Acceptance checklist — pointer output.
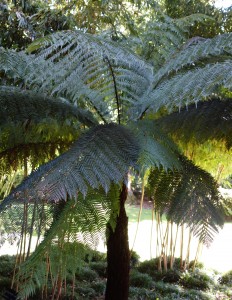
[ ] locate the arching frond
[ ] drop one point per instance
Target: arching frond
(188, 196)
(36, 127)
(86, 69)
(208, 120)
(101, 156)
(156, 148)
(189, 87)
(26, 106)
(196, 51)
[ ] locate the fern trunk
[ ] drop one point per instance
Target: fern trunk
(118, 255)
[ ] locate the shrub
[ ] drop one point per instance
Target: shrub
(196, 280)
(140, 280)
(100, 267)
(86, 274)
(198, 265)
(171, 276)
(5, 283)
(226, 278)
(99, 287)
(86, 292)
(134, 259)
(7, 264)
(94, 255)
(136, 293)
(148, 266)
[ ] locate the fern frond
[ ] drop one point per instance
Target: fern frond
(156, 148)
(188, 196)
(14, 64)
(211, 119)
(76, 223)
(81, 66)
(188, 21)
(26, 106)
(192, 54)
(163, 36)
(101, 156)
(189, 87)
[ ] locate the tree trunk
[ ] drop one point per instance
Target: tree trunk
(118, 255)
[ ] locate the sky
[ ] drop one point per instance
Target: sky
(223, 3)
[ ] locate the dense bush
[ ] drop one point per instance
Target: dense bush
(151, 267)
(86, 274)
(197, 280)
(7, 264)
(226, 278)
(136, 293)
(100, 267)
(140, 280)
(146, 283)
(134, 259)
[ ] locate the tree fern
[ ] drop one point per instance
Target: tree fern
(29, 127)
(82, 68)
(114, 85)
(194, 51)
(163, 36)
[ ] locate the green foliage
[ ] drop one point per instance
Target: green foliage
(134, 259)
(210, 120)
(226, 279)
(181, 8)
(80, 166)
(148, 266)
(100, 267)
(186, 196)
(88, 285)
(86, 274)
(84, 222)
(86, 292)
(196, 280)
(99, 287)
(140, 280)
(151, 267)
(104, 83)
(7, 264)
(143, 293)
(227, 207)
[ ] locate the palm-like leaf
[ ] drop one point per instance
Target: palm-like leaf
(209, 120)
(36, 127)
(188, 196)
(156, 149)
(85, 69)
(26, 106)
(190, 76)
(101, 156)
